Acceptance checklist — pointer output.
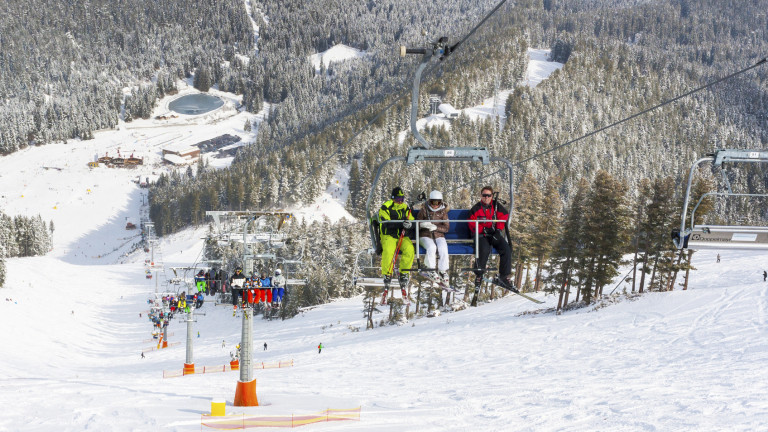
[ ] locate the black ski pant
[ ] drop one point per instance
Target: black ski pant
(235, 293)
(502, 247)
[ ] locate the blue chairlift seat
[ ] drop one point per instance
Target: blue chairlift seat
(459, 237)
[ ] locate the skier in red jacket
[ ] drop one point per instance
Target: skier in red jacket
(491, 235)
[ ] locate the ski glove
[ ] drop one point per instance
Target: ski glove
(407, 224)
(489, 232)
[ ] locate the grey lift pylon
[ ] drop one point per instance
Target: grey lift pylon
(245, 393)
(189, 363)
(703, 236)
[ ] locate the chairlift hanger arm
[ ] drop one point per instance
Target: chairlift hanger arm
(438, 48)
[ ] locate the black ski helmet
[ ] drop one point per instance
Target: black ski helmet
(398, 192)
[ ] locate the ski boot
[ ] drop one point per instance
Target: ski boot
(443, 276)
(387, 282)
(403, 281)
(505, 283)
(478, 283)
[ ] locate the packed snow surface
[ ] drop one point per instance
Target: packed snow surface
(336, 53)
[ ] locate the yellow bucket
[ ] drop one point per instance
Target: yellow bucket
(218, 407)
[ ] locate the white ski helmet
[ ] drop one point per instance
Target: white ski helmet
(435, 195)
(277, 272)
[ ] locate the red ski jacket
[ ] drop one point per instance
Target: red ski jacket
(478, 212)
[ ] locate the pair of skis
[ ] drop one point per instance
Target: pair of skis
(500, 283)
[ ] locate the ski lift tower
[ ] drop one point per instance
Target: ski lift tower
(189, 363)
(245, 393)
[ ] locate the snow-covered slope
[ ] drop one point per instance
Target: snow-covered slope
(337, 53)
(683, 360)
(72, 334)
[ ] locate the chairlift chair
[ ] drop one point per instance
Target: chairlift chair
(460, 242)
(702, 236)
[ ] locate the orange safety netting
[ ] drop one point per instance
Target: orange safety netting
(241, 421)
(159, 346)
(227, 368)
(155, 339)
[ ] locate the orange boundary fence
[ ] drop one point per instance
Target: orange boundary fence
(159, 346)
(241, 421)
(155, 339)
(227, 368)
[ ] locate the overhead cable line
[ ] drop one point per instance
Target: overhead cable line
(453, 48)
(537, 155)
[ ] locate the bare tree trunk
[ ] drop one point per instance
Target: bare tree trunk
(429, 300)
(671, 285)
(527, 278)
(688, 269)
(538, 274)
(634, 264)
(518, 274)
(642, 276)
(588, 294)
(560, 304)
(371, 307)
(418, 298)
(653, 272)
(407, 303)
(599, 289)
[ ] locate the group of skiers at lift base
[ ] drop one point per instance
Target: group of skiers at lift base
(432, 236)
(269, 290)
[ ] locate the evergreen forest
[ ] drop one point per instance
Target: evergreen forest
(579, 210)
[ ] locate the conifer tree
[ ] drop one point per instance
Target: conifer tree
(523, 226)
(203, 79)
(547, 226)
(658, 226)
(606, 232)
(570, 245)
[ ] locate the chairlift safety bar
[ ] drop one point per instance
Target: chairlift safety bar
(730, 236)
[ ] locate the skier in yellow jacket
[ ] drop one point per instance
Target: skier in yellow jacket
(390, 235)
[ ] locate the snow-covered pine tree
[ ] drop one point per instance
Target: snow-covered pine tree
(528, 205)
(606, 231)
(563, 264)
(547, 226)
